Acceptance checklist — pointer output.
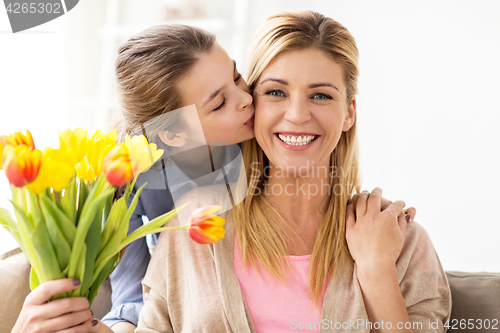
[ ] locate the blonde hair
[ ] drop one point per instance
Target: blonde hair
(148, 68)
(262, 232)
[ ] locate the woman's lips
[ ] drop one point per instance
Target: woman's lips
(249, 122)
(294, 147)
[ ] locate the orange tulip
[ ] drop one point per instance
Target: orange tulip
(21, 164)
(17, 139)
(204, 227)
(117, 166)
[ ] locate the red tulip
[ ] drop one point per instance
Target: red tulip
(21, 164)
(204, 227)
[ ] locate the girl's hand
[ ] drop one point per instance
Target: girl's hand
(411, 211)
(375, 238)
(63, 315)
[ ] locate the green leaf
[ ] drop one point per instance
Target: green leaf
(90, 209)
(116, 215)
(92, 242)
(8, 223)
(54, 216)
(83, 194)
(34, 282)
(25, 228)
(44, 251)
(118, 230)
(79, 271)
(68, 201)
(117, 243)
(55, 228)
(105, 272)
(107, 209)
(152, 226)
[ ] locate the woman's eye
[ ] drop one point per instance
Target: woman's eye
(237, 78)
(321, 96)
(276, 93)
(221, 105)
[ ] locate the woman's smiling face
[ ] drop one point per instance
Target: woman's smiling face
(301, 109)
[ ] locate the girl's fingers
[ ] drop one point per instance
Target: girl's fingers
(82, 328)
(46, 290)
(384, 204)
(70, 319)
(412, 212)
(349, 217)
(395, 208)
(374, 201)
(402, 223)
(62, 306)
(361, 205)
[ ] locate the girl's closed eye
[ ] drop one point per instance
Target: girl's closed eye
(237, 78)
(221, 105)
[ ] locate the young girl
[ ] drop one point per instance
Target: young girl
(294, 259)
(161, 70)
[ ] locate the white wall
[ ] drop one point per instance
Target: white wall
(427, 106)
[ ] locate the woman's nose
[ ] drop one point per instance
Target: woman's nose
(297, 112)
(245, 100)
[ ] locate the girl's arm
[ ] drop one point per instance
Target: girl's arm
(398, 270)
(375, 240)
(39, 315)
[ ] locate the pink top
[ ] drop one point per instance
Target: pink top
(276, 307)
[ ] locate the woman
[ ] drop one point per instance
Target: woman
(158, 71)
(291, 258)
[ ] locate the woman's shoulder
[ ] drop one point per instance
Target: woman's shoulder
(418, 256)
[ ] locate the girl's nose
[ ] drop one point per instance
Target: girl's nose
(245, 100)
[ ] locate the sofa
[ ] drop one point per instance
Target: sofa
(475, 296)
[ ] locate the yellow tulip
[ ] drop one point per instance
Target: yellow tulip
(41, 182)
(17, 139)
(75, 143)
(97, 149)
(142, 154)
(21, 164)
(84, 170)
(55, 172)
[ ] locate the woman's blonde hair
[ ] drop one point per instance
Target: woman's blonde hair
(262, 232)
(148, 68)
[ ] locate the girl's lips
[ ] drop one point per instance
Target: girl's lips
(292, 147)
(249, 122)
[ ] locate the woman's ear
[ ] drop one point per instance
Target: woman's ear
(171, 139)
(350, 116)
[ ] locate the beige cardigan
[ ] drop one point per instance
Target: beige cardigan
(191, 287)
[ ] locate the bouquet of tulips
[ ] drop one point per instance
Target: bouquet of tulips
(69, 222)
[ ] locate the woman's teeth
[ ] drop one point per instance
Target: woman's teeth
(297, 140)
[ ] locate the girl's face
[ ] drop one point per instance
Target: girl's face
(301, 109)
(221, 97)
